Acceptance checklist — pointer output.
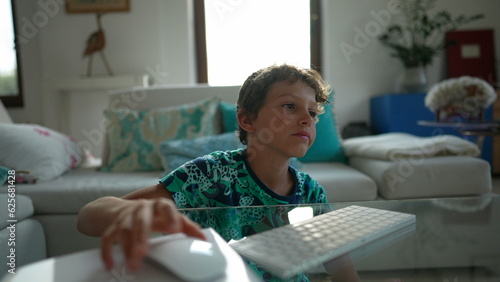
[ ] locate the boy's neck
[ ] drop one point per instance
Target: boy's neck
(273, 172)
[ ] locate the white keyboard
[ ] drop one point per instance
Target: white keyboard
(295, 248)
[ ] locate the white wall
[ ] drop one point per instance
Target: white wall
(155, 37)
(372, 71)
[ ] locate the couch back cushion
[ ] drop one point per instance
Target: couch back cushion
(142, 99)
(134, 135)
(228, 117)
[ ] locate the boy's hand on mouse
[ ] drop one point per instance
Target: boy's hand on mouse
(134, 223)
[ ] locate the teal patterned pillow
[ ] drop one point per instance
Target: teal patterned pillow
(175, 153)
(228, 116)
(134, 136)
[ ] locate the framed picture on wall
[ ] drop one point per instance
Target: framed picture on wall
(94, 6)
(472, 54)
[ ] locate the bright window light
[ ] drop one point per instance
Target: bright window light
(300, 214)
(8, 64)
(244, 36)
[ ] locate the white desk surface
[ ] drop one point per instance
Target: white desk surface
(88, 266)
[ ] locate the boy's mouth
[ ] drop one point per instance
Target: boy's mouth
(303, 134)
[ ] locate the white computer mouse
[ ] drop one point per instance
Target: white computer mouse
(189, 259)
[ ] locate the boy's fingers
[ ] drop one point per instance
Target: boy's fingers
(170, 220)
(118, 231)
(141, 230)
(192, 229)
(128, 249)
(181, 223)
(133, 227)
(107, 242)
(167, 218)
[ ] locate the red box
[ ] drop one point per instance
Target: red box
(472, 54)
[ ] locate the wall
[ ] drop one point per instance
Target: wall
(155, 37)
(372, 71)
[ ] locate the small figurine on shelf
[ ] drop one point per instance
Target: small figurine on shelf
(461, 99)
(96, 43)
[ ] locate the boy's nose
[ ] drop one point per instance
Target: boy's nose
(305, 118)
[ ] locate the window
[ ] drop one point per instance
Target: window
(10, 80)
(235, 38)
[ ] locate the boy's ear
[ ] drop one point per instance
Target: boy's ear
(245, 121)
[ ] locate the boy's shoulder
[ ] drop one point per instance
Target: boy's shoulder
(230, 155)
(231, 158)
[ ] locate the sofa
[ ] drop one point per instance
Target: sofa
(22, 237)
(172, 123)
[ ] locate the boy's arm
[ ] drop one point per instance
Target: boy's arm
(96, 216)
(131, 219)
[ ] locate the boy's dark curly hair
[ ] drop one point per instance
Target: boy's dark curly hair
(254, 90)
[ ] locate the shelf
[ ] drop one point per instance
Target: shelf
(99, 83)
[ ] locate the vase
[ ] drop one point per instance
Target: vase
(414, 80)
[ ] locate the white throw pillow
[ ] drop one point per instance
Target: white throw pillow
(45, 153)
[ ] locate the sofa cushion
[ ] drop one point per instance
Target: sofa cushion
(44, 152)
(228, 117)
(341, 182)
(427, 177)
(30, 247)
(23, 208)
(134, 136)
(78, 187)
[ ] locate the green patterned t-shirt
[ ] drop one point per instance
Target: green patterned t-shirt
(225, 179)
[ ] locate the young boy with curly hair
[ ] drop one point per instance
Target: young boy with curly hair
(277, 111)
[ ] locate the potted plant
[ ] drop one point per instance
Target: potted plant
(418, 38)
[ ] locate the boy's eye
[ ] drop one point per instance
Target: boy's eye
(289, 106)
(313, 114)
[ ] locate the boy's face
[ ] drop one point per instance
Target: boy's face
(286, 123)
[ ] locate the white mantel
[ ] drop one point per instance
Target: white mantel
(74, 106)
(54, 88)
(100, 82)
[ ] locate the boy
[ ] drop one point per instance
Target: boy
(277, 111)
